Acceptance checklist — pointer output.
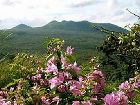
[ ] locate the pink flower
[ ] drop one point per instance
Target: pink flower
(33, 78)
(51, 68)
(69, 50)
(97, 76)
(97, 73)
(81, 78)
(38, 76)
(56, 80)
(76, 103)
(87, 103)
(61, 88)
(111, 99)
(64, 64)
(61, 76)
(75, 68)
(123, 98)
(5, 102)
(99, 83)
(124, 86)
(117, 98)
(52, 60)
(128, 89)
(97, 88)
(56, 99)
(75, 87)
(11, 88)
(45, 101)
(41, 81)
(67, 76)
(135, 85)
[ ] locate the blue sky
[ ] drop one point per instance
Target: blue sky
(40, 12)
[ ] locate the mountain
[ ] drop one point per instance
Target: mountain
(70, 25)
(110, 27)
(81, 26)
(21, 26)
(80, 35)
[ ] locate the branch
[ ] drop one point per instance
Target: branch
(133, 13)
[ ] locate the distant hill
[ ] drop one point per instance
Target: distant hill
(110, 27)
(21, 26)
(80, 35)
(70, 25)
(81, 26)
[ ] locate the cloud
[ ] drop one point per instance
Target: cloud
(82, 4)
(119, 12)
(137, 3)
(40, 12)
(10, 2)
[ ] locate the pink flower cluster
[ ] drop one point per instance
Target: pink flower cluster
(125, 93)
(60, 82)
(116, 98)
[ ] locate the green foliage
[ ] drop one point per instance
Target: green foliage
(16, 68)
(53, 44)
(4, 35)
(122, 52)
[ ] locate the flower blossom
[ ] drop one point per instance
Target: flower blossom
(69, 50)
(51, 68)
(75, 68)
(116, 98)
(56, 80)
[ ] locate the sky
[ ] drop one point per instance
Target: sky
(37, 13)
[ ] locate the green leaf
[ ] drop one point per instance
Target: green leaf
(74, 74)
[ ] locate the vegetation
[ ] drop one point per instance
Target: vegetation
(60, 82)
(122, 52)
(81, 35)
(56, 78)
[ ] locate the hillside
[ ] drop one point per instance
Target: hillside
(80, 35)
(21, 26)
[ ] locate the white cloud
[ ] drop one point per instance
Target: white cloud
(40, 12)
(10, 2)
(82, 4)
(137, 3)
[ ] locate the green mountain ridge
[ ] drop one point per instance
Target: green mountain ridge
(82, 35)
(21, 26)
(72, 26)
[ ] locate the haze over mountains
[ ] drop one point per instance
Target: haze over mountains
(80, 35)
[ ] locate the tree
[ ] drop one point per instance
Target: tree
(123, 48)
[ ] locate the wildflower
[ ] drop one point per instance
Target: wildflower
(87, 103)
(11, 88)
(128, 89)
(69, 50)
(124, 86)
(76, 103)
(51, 68)
(45, 101)
(75, 68)
(75, 87)
(56, 99)
(116, 98)
(56, 81)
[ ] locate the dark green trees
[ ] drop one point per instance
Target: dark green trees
(122, 50)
